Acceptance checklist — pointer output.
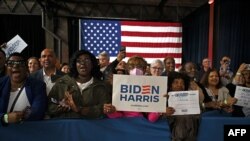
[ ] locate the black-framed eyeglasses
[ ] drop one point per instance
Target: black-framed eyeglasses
(83, 61)
(18, 63)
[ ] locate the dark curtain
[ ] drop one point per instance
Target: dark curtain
(195, 35)
(73, 36)
(28, 28)
(232, 32)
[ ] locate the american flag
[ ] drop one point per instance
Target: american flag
(151, 40)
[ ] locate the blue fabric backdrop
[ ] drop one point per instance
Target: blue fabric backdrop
(121, 129)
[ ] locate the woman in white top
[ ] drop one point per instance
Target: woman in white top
(22, 98)
(218, 96)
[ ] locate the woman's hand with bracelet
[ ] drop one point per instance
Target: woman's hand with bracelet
(15, 117)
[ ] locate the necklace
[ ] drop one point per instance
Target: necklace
(16, 88)
(214, 95)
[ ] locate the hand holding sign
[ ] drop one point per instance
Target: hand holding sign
(16, 44)
(3, 45)
(243, 97)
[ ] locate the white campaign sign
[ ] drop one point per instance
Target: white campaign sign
(243, 96)
(184, 102)
(139, 93)
(16, 44)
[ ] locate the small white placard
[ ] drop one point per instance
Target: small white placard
(243, 96)
(16, 44)
(184, 102)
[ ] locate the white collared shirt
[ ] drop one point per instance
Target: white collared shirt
(47, 80)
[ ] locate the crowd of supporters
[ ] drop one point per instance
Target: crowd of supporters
(37, 89)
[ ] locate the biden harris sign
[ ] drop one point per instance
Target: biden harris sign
(139, 93)
(16, 44)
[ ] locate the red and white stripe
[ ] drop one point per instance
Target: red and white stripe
(146, 89)
(152, 40)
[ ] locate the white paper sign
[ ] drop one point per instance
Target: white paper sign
(139, 93)
(246, 111)
(243, 96)
(16, 44)
(184, 102)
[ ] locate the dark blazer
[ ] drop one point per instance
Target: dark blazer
(3, 73)
(39, 75)
(36, 93)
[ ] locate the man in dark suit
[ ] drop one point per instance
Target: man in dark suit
(49, 72)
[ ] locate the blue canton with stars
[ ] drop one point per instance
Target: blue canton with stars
(101, 35)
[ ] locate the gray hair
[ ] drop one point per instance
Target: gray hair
(157, 61)
(104, 54)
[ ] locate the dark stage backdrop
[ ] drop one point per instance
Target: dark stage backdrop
(231, 33)
(195, 35)
(29, 29)
(73, 35)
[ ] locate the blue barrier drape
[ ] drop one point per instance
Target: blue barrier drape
(122, 129)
